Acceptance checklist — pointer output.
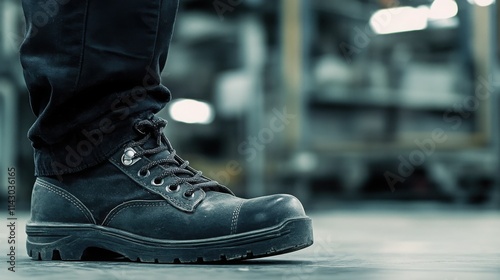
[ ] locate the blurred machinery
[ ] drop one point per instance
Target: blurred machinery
(357, 99)
(390, 99)
(401, 97)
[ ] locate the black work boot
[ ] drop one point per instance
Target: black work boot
(146, 204)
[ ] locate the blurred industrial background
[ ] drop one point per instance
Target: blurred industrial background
(353, 106)
(328, 100)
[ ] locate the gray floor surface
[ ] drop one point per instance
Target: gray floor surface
(368, 242)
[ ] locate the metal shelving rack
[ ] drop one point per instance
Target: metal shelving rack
(456, 166)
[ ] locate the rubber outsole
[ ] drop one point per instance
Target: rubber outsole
(77, 242)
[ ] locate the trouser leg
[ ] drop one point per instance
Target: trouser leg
(92, 68)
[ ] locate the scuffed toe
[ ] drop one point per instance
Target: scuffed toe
(268, 211)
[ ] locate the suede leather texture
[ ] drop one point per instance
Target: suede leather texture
(114, 195)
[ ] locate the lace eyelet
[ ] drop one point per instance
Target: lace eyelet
(139, 174)
(128, 157)
(155, 183)
(185, 195)
(172, 188)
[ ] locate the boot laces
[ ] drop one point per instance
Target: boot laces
(173, 165)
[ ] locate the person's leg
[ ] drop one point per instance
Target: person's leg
(92, 68)
(107, 177)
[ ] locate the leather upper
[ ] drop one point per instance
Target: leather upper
(129, 201)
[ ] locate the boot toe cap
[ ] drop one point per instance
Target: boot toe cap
(268, 211)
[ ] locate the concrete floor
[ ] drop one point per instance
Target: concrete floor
(365, 242)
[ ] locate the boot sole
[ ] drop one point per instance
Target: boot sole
(58, 241)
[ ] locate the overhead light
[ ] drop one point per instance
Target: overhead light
(443, 9)
(191, 111)
(399, 19)
(482, 3)
(405, 19)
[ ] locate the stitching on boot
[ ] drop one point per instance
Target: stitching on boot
(234, 220)
(115, 211)
(69, 197)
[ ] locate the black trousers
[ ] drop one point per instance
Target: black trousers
(92, 68)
